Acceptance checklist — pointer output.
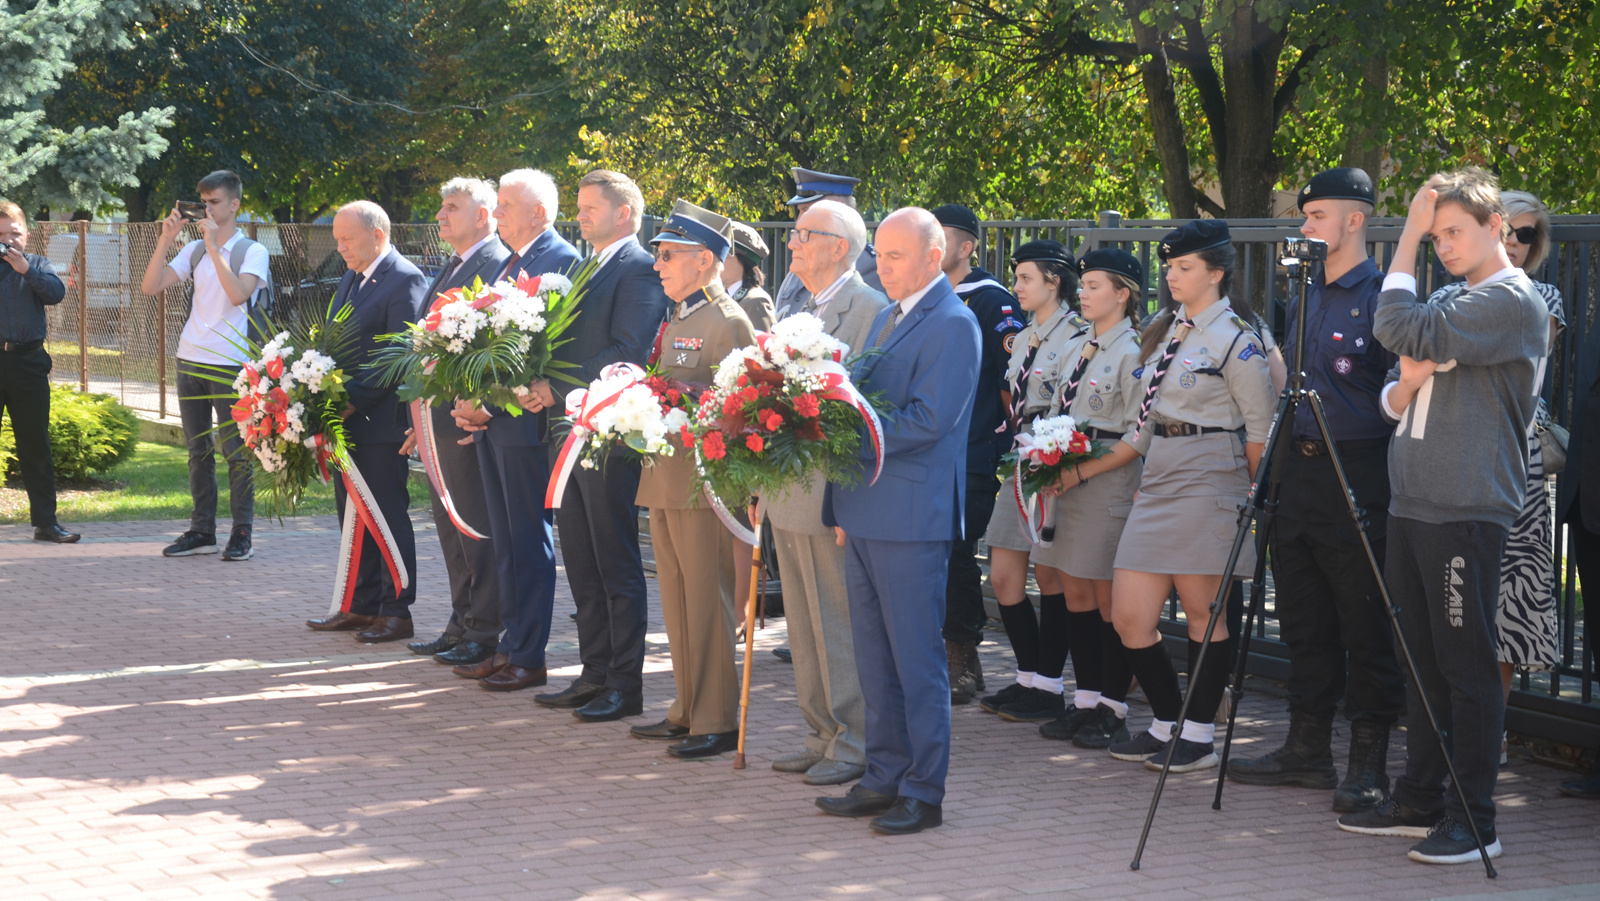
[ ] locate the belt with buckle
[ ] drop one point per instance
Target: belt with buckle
(1186, 429)
(1102, 434)
(1306, 447)
(20, 347)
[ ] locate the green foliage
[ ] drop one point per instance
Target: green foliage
(90, 434)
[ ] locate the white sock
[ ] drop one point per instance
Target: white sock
(1084, 699)
(1048, 684)
(1024, 679)
(1202, 733)
(1161, 730)
(1120, 708)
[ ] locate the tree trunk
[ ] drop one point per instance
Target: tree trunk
(1177, 184)
(1250, 52)
(1364, 146)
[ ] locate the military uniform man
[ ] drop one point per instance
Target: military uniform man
(748, 289)
(690, 543)
(810, 187)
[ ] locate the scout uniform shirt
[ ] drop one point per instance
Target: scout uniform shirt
(702, 330)
(1057, 340)
(757, 306)
(1108, 393)
(1217, 379)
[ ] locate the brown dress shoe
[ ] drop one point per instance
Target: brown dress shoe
(482, 670)
(341, 622)
(514, 678)
(386, 628)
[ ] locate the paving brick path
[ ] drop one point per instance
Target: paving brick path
(170, 729)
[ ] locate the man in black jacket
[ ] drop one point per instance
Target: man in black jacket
(620, 311)
(28, 284)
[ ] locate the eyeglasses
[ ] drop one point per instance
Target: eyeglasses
(803, 235)
(1526, 235)
(667, 256)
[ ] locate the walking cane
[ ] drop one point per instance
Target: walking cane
(749, 638)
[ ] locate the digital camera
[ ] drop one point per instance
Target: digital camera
(1304, 250)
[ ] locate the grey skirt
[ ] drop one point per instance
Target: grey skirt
(1005, 523)
(1186, 515)
(1089, 524)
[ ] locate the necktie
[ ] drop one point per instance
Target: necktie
(894, 320)
(1181, 328)
(1019, 382)
(451, 264)
(510, 265)
(810, 306)
(1089, 350)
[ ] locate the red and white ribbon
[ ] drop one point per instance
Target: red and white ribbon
(729, 521)
(1037, 512)
(836, 385)
(582, 405)
(362, 518)
(428, 449)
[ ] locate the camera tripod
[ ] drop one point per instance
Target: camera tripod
(1260, 508)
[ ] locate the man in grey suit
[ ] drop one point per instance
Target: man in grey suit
(811, 186)
(826, 239)
(466, 223)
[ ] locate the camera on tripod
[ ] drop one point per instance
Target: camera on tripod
(1304, 250)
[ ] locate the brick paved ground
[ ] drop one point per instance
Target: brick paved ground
(169, 729)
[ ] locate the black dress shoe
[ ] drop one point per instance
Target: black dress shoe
(697, 746)
(666, 730)
(908, 816)
(783, 654)
(444, 642)
(464, 653)
(859, 801)
(55, 534)
(611, 704)
(575, 695)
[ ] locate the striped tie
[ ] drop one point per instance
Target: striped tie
(894, 320)
(1089, 351)
(1180, 329)
(1019, 383)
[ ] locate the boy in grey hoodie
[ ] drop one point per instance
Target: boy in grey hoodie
(1464, 396)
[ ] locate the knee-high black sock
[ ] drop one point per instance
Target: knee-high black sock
(1212, 680)
(1022, 628)
(1158, 679)
(1083, 632)
(1116, 673)
(1055, 635)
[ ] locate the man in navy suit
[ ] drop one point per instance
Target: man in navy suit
(898, 532)
(512, 455)
(622, 308)
(466, 223)
(384, 289)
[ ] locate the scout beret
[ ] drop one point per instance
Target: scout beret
(1339, 184)
(1044, 250)
(813, 185)
(1112, 259)
(747, 242)
(690, 224)
(1193, 237)
(957, 216)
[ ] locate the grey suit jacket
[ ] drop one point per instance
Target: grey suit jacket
(848, 317)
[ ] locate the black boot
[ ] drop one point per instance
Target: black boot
(1306, 759)
(963, 688)
(1365, 782)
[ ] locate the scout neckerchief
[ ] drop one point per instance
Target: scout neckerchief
(1089, 350)
(1180, 329)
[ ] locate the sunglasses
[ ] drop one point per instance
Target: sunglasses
(1525, 235)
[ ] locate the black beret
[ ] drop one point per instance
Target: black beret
(1339, 184)
(1112, 259)
(1193, 237)
(1037, 251)
(957, 216)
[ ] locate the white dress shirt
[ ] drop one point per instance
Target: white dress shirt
(371, 268)
(604, 256)
(907, 304)
(821, 299)
(470, 251)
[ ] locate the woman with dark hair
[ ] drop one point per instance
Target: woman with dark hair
(743, 277)
(1102, 396)
(1046, 282)
(1202, 423)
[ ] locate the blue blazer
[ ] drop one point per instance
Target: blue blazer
(549, 253)
(383, 306)
(928, 372)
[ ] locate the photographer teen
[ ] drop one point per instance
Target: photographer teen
(28, 284)
(224, 280)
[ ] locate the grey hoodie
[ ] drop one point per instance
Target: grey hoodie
(1460, 452)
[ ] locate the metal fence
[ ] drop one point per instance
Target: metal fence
(108, 337)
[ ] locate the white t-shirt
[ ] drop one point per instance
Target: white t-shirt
(215, 324)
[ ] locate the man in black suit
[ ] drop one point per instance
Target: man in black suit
(384, 289)
(466, 223)
(511, 452)
(618, 316)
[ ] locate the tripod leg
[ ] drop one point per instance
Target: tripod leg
(1236, 689)
(1394, 623)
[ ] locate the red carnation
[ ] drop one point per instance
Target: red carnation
(743, 381)
(708, 396)
(772, 421)
(808, 406)
(750, 393)
(764, 391)
(755, 443)
(711, 445)
(275, 368)
(686, 435)
(733, 405)
(673, 396)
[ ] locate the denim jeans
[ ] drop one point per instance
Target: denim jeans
(200, 415)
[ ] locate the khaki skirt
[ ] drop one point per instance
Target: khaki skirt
(1089, 524)
(1186, 515)
(1005, 523)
